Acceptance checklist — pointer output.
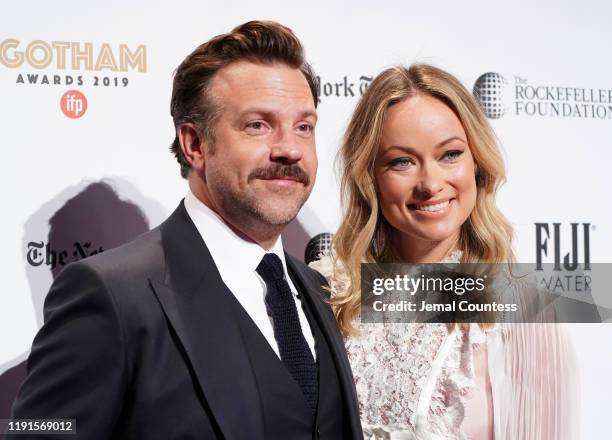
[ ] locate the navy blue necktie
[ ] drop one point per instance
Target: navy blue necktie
(292, 345)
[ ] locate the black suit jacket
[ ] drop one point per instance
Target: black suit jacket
(140, 342)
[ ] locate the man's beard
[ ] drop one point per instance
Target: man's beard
(248, 208)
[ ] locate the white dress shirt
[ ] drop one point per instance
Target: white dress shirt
(236, 259)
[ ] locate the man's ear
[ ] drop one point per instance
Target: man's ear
(193, 145)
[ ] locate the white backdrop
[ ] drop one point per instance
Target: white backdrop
(558, 166)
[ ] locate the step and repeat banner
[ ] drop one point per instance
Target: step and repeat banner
(86, 129)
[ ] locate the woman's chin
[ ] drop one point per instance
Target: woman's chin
(433, 235)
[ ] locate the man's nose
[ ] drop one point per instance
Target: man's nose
(286, 147)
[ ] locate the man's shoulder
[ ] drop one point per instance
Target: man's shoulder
(305, 271)
(310, 278)
(140, 258)
(117, 281)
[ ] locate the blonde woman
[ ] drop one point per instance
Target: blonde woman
(420, 171)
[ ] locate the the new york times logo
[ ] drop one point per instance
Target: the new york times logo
(570, 272)
(345, 88)
(75, 56)
(497, 97)
(39, 253)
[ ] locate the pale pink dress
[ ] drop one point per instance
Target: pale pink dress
(418, 381)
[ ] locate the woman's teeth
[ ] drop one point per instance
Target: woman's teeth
(433, 208)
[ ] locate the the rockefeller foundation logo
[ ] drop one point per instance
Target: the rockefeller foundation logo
(491, 90)
(500, 95)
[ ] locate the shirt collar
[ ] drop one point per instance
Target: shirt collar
(230, 252)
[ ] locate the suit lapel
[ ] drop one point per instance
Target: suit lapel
(310, 287)
(197, 304)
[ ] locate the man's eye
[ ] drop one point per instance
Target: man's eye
(256, 125)
(256, 128)
(306, 128)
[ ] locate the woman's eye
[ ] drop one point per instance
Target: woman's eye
(401, 163)
(452, 155)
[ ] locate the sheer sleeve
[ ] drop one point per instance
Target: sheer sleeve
(534, 376)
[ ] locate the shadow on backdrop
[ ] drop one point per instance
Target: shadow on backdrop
(297, 234)
(93, 220)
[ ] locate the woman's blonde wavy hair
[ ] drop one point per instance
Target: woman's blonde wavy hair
(364, 234)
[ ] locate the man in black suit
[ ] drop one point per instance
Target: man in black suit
(203, 327)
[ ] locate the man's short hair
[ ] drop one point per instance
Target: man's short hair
(264, 42)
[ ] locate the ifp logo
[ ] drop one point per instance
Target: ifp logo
(73, 104)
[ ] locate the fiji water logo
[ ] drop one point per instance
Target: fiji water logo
(571, 263)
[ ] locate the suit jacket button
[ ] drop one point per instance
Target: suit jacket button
(318, 432)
